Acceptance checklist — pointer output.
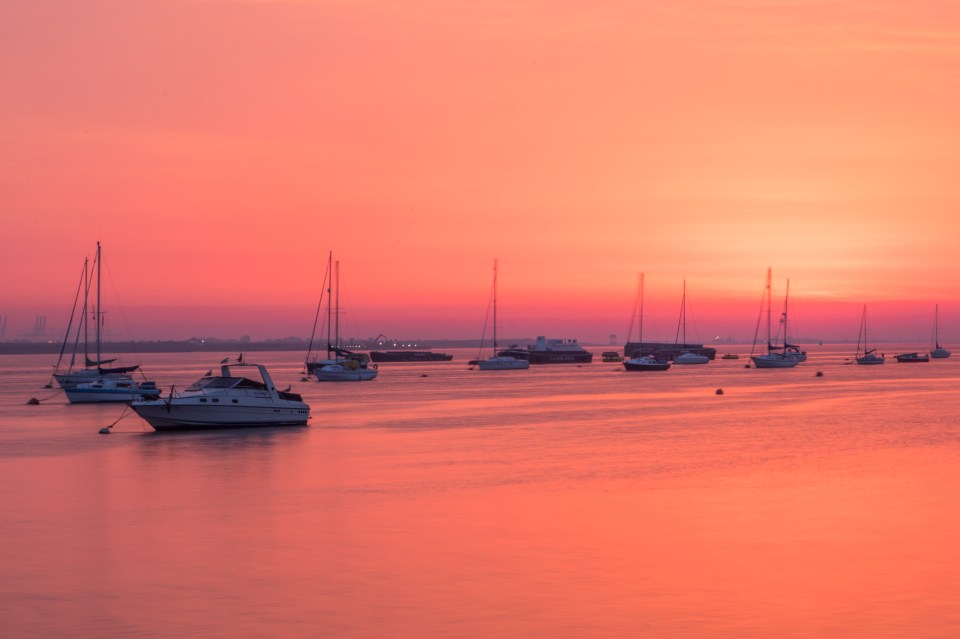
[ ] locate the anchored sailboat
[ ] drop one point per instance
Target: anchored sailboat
(867, 355)
(95, 382)
(938, 351)
(500, 362)
(686, 357)
(642, 362)
(340, 365)
(777, 356)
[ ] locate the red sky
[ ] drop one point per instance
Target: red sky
(220, 148)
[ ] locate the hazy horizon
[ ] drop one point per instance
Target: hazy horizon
(829, 322)
(219, 150)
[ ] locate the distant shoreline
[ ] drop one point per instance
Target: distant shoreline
(295, 344)
(227, 346)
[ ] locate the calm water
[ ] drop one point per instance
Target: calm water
(437, 501)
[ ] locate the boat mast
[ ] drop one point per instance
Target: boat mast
(683, 311)
(786, 300)
(66, 338)
(337, 316)
(494, 307)
(862, 336)
(86, 318)
(97, 313)
(769, 311)
(329, 302)
(641, 315)
(936, 325)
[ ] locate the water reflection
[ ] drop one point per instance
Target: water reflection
(219, 440)
(563, 503)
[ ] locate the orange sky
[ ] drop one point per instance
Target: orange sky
(220, 148)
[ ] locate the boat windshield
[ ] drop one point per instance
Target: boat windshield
(214, 383)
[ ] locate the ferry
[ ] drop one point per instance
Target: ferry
(550, 351)
(409, 356)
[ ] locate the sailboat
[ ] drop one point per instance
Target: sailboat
(96, 383)
(643, 362)
(686, 357)
(340, 365)
(776, 356)
(869, 355)
(938, 351)
(500, 362)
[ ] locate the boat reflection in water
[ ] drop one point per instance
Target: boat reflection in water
(226, 401)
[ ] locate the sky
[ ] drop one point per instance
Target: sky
(220, 149)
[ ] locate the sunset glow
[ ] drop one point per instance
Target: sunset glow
(220, 149)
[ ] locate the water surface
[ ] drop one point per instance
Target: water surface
(438, 501)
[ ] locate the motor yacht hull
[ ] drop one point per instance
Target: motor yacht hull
(164, 415)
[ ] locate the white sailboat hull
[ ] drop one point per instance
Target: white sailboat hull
(338, 372)
(690, 358)
(503, 363)
(73, 379)
(111, 389)
(774, 360)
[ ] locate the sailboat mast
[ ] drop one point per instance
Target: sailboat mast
(862, 337)
(494, 307)
(769, 310)
(786, 300)
(683, 312)
(337, 318)
(329, 302)
(641, 314)
(86, 317)
(936, 325)
(98, 314)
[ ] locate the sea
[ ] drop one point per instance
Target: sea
(565, 501)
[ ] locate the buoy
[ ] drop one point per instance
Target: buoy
(49, 386)
(719, 391)
(105, 430)
(819, 373)
(746, 365)
(33, 401)
(424, 375)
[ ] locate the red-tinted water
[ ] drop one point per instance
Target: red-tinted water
(562, 501)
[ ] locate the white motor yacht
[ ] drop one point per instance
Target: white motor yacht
(226, 401)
